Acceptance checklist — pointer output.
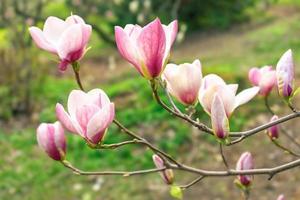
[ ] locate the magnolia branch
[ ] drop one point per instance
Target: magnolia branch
(271, 172)
(105, 173)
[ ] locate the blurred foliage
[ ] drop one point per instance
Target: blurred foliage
(19, 62)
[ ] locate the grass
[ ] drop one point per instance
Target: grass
(27, 173)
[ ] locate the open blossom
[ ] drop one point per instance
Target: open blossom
(245, 162)
(273, 131)
(52, 140)
(167, 175)
(219, 120)
(67, 39)
(184, 81)
(281, 197)
(285, 74)
(147, 48)
(264, 78)
(89, 114)
(213, 84)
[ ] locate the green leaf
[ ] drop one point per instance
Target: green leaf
(176, 192)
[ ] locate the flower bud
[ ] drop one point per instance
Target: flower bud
(184, 81)
(219, 119)
(273, 131)
(281, 197)
(167, 175)
(245, 162)
(264, 78)
(285, 74)
(52, 140)
(148, 47)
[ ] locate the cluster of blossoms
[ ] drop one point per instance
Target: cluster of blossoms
(148, 49)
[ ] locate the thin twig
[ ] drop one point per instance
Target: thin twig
(245, 134)
(117, 145)
(76, 68)
(164, 86)
(144, 141)
(197, 180)
(105, 173)
(223, 157)
(207, 173)
(266, 99)
(284, 148)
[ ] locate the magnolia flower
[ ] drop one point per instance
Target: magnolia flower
(281, 197)
(285, 74)
(89, 114)
(52, 140)
(213, 84)
(219, 120)
(184, 81)
(146, 48)
(67, 39)
(167, 175)
(273, 131)
(245, 163)
(264, 78)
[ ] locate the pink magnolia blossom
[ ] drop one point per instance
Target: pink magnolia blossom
(245, 163)
(67, 39)
(167, 175)
(89, 114)
(273, 131)
(264, 78)
(52, 140)
(219, 120)
(184, 81)
(281, 197)
(285, 74)
(147, 48)
(213, 84)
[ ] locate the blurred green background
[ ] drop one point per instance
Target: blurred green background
(228, 37)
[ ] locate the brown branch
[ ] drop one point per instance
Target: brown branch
(144, 141)
(105, 173)
(197, 180)
(207, 173)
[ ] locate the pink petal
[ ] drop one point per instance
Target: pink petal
(53, 29)
(126, 47)
(74, 19)
(285, 74)
(59, 137)
(170, 32)
(76, 99)
(245, 96)
(64, 118)
(98, 97)
(210, 80)
(219, 119)
(99, 123)
(267, 82)
(86, 34)
(84, 114)
(40, 40)
(152, 45)
(233, 87)
(70, 43)
(254, 76)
